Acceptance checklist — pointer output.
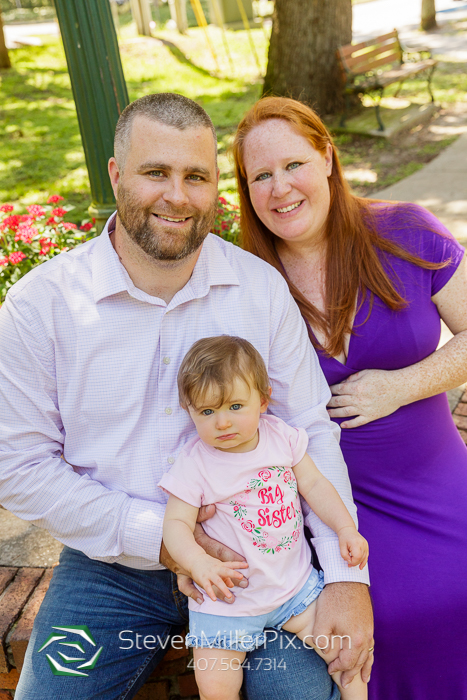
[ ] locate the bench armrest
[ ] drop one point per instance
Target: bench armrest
(413, 51)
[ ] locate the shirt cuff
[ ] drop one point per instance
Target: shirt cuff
(142, 530)
(334, 567)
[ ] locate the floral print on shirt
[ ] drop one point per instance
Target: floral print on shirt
(271, 486)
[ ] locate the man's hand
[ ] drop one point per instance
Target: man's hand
(344, 609)
(214, 548)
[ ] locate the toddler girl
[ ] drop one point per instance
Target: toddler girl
(252, 466)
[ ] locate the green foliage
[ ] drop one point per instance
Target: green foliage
(27, 240)
(227, 224)
(39, 134)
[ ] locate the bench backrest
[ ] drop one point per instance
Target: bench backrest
(357, 59)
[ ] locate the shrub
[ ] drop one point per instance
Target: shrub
(27, 240)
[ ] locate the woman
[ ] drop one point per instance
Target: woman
(372, 280)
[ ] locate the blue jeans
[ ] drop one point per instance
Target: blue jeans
(103, 628)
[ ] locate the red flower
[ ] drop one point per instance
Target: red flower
(51, 221)
(4, 261)
(278, 549)
(287, 476)
(59, 211)
(6, 208)
(236, 508)
(223, 201)
(264, 474)
(254, 544)
(248, 525)
(11, 222)
(36, 210)
(86, 227)
(295, 535)
(54, 198)
(68, 225)
(46, 245)
(16, 257)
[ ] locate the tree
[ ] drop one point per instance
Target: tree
(302, 60)
(428, 15)
(4, 58)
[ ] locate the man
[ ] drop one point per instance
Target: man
(90, 347)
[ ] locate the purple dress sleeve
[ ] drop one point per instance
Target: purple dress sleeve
(422, 233)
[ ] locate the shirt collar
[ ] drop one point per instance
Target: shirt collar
(110, 277)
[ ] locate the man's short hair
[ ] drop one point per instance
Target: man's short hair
(213, 364)
(167, 108)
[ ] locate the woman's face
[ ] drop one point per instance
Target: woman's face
(288, 181)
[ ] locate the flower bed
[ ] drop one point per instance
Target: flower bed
(29, 239)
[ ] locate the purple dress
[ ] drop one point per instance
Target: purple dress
(409, 478)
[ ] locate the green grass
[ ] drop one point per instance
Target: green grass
(39, 135)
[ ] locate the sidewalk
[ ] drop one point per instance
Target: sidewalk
(440, 186)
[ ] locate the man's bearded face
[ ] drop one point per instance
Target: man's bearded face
(162, 241)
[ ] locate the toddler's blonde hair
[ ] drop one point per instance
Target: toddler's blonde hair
(213, 364)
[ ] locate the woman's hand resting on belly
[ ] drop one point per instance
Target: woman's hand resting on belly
(367, 395)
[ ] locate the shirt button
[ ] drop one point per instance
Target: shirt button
(166, 360)
(168, 411)
(171, 460)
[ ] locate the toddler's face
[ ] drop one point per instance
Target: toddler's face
(234, 426)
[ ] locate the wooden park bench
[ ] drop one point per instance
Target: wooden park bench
(372, 65)
(22, 590)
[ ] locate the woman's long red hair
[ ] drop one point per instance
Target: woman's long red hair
(352, 260)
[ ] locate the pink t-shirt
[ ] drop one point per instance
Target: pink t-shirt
(258, 512)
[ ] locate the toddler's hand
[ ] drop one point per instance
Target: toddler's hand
(208, 572)
(354, 547)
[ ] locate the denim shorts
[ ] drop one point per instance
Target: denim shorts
(247, 633)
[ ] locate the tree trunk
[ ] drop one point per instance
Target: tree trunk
(142, 15)
(302, 60)
(178, 14)
(428, 15)
(4, 58)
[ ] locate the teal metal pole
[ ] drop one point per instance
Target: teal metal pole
(99, 89)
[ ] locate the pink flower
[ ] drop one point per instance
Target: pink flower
(16, 257)
(26, 233)
(54, 198)
(295, 535)
(36, 210)
(68, 225)
(236, 508)
(248, 525)
(264, 474)
(263, 545)
(278, 549)
(271, 541)
(254, 544)
(287, 476)
(51, 221)
(243, 497)
(223, 201)
(59, 211)
(6, 208)
(4, 261)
